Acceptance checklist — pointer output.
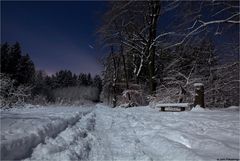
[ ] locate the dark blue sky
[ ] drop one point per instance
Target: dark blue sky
(57, 35)
(62, 35)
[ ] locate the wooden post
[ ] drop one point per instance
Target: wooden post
(199, 95)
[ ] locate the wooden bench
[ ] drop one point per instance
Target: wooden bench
(172, 106)
(198, 100)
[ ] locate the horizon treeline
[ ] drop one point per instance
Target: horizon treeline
(19, 70)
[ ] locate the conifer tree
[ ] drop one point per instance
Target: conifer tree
(97, 82)
(25, 70)
(4, 57)
(89, 79)
(82, 79)
(14, 58)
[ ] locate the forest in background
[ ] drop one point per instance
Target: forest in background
(22, 83)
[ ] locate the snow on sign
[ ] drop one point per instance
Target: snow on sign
(102, 133)
(197, 84)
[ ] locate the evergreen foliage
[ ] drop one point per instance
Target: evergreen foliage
(18, 69)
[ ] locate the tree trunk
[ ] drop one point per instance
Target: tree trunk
(114, 79)
(125, 72)
(122, 55)
(154, 14)
(124, 67)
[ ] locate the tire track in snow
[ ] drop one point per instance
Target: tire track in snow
(74, 143)
(102, 145)
(23, 147)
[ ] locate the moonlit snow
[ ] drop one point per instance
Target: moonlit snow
(102, 133)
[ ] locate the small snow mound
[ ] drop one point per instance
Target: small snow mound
(198, 109)
(232, 108)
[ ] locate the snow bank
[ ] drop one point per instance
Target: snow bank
(71, 144)
(232, 108)
(143, 133)
(23, 129)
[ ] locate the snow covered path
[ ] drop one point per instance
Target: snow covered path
(142, 133)
(74, 143)
(23, 129)
(138, 133)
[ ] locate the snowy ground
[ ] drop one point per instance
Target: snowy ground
(102, 133)
(23, 129)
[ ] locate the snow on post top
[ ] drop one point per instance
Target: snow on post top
(197, 84)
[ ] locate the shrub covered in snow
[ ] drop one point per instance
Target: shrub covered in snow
(172, 94)
(221, 87)
(75, 95)
(134, 96)
(131, 98)
(39, 100)
(10, 94)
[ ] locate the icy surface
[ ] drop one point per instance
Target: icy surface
(139, 133)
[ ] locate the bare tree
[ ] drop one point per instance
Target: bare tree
(136, 33)
(169, 51)
(199, 17)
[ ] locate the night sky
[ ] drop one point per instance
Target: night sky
(62, 35)
(56, 35)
